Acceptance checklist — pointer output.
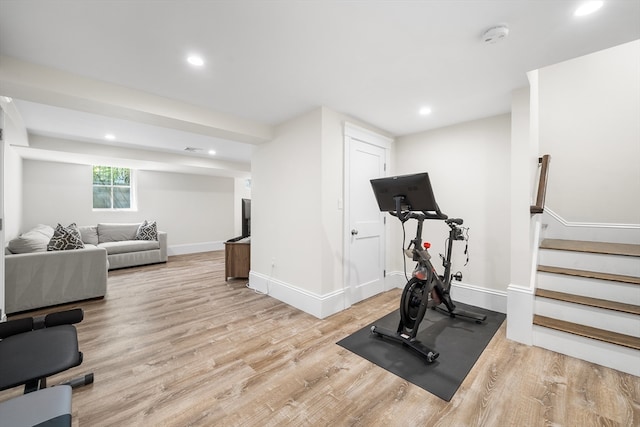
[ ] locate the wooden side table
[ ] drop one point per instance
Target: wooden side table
(237, 259)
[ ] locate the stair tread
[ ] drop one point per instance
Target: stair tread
(626, 249)
(592, 302)
(590, 274)
(588, 332)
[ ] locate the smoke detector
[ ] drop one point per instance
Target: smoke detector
(495, 34)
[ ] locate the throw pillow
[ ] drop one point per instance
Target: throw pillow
(147, 231)
(89, 234)
(65, 238)
(34, 240)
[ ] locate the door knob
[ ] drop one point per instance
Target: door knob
(354, 232)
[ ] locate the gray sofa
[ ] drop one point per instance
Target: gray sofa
(123, 250)
(36, 278)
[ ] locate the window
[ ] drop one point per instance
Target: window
(112, 188)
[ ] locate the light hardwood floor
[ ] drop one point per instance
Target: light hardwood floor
(176, 345)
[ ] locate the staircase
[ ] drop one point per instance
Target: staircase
(587, 302)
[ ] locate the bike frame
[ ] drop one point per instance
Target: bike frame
(432, 281)
(421, 288)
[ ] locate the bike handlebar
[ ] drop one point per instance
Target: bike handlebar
(403, 216)
(421, 216)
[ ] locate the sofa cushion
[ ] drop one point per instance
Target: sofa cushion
(129, 246)
(89, 234)
(117, 232)
(147, 231)
(65, 238)
(34, 240)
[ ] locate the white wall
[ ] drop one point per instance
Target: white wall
(297, 215)
(589, 111)
(285, 205)
(12, 192)
(192, 209)
(14, 133)
(332, 213)
(522, 164)
(469, 168)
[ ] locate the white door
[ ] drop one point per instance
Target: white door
(365, 227)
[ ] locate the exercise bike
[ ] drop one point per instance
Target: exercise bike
(425, 289)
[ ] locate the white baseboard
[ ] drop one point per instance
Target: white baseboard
(320, 306)
(193, 248)
(478, 296)
(465, 293)
(394, 279)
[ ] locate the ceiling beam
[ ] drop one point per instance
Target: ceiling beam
(36, 83)
(78, 152)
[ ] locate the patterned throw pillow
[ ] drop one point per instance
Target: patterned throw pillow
(147, 231)
(65, 238)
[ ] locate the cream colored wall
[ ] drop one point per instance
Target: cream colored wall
(469, 168)
(520, 197)
(297, 203)
(332, 202)
(286, 204)
(191, 208)
(589, 110)
(12, 192)
(15, 134)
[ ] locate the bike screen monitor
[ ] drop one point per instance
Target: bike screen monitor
(414, 193)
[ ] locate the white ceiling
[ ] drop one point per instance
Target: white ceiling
(269, 61)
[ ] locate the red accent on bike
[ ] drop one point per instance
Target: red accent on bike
(426, 245)
(420, 275)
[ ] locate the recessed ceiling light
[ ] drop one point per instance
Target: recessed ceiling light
(212, 152)
(110, 136)
(588, 8)
(195, 60)
(424, 111)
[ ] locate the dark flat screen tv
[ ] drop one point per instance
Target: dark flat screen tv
(414, 190)
(246, 217)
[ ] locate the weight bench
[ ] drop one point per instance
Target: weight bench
(48, 407)
(32, 349)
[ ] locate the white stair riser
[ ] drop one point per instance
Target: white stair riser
(614, 264)
(592, 234)
(613, 356)
(594, 288)
(609, 320)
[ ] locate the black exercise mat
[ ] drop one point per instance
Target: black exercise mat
(459, 342)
